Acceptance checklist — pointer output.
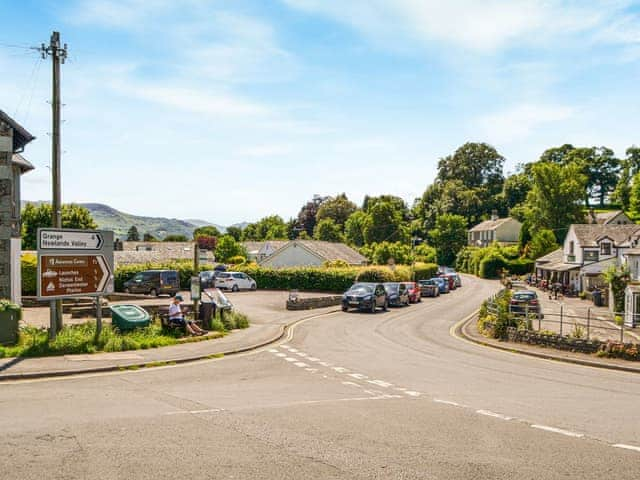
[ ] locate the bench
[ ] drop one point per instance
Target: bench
(163, 313)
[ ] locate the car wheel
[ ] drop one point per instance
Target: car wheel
(344, 309)
(373, 306)
(385, 307)
(235, 288)
(153, 292)
(253, 286)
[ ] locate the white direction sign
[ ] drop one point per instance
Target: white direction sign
(70, 240)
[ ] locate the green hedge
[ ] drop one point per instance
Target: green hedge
(29, 271)
(425, 271)
(520, 266)
(302, 278)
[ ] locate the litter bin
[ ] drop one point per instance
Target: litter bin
(9, 323)
(128, 317)
(597, 298)
(206, 313)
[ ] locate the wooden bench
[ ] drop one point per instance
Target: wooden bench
(187, 311)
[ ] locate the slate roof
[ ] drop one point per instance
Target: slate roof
(553, 257)
(603, 218)
(330, 251)
(490, 224)
(24, 164)
(588, 234)
(20, 136)
(257, 246)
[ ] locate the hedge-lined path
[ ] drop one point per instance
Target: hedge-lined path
(265, 309)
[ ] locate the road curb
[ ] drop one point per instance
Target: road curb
(284, 330)
(458, 331)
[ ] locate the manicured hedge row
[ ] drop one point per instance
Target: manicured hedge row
(489, 262)
(29, 270)
(305, 278)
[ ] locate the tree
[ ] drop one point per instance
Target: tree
(634, 198)
(514, 191)
(147, 237)
(633, 159)
(228, 247)
(328, 231)
(557, 155)
(307, 216)
(207, 231)
(353, 228)
(384, 222)
(543, 242)
(235, 232)
(175, 238)
(39, 216)
(272, 227)
(553, 202)
(337, 208)
(133, 235)
(397, 203)
(600, 168)
(381, 253)
(449, 237)
(622, 193)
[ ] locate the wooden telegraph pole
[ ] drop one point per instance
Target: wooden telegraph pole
(58, 55)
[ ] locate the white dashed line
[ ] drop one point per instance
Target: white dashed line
(312, 370)
(489, 413)
(380, 383)
(558, 430)
(289, 359)
(301, 354)
(448, 402)
(313, 359)
(353, 384)
(325, 364)
(191, 412)
(341, 369)
(300, 364)
(280, 354)
(400, 389)
(273, 350)
(358, 376)
(293, 350)
(412, 394)
(627, 447)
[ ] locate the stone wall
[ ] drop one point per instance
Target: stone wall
(317, 302)
(6, 210)
(553, 341)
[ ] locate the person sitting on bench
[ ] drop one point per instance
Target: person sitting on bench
(177, 318)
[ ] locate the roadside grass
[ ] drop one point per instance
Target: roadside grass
(78, 339)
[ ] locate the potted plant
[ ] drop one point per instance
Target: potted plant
(10, 316)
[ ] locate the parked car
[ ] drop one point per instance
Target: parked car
(235, 281)
(365, 296)
(413, 288)
(429, 288)
(397, 294)
(523, 301)
(207, 278)
(154, 282)
(443, 284)
(451, 279)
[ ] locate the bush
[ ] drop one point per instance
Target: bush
(425, 271)
(302, 278)
(520, 266)
(228, 320)
(491, 266)
(376, 274)
(29, 269)
(237, 260)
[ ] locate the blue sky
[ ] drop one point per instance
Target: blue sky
(233, 110)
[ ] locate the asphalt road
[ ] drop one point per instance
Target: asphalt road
(391, 395)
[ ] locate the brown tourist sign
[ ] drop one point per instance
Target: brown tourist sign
(71, 275)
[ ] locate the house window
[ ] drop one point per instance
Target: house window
(605, 248)
(590, 255)
(571, 248)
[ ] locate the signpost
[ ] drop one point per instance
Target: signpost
(75, 263)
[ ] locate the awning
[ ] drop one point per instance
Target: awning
(558, 267)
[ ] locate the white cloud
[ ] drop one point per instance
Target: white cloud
(479, 26)
(519, 121)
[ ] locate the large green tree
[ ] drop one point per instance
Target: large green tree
(133, 235)
(384, 222)
(448, 237)
(353, 228)
(235, 232)
(307, 215)
(337, 208)
(272, 227)
(227, 248)
(554, 200)
(206, 231)
(328, 231)
(477, 165)
(600, 167)
(39, 216)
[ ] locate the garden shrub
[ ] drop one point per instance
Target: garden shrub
(425, 271)
(29, 271)
(237, 260)
(376, 274)
(520, 266)
(302, 278)
(491, 266)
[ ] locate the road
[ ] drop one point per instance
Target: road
(349, 395)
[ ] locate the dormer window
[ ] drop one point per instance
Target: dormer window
(605, 248)
(571, 248)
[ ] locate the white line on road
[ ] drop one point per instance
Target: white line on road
(313, 359)
(358, 376)
(353, 384)
(400, 389)
(280, 354)
(190, 412)
(448, 402)
(325, 364)
(380, 383)
(627, 447)
(293, 350)
(489, 413)
(312, 370)
(558, 430)
(341, 369)
(273, 350)
(289, 359)
(412, 393)
(301, 354)
(301, 364)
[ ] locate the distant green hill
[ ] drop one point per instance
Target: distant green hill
(109, 218)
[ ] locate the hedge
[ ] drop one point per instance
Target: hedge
(29, 271)
(425, 271)
(302, 278)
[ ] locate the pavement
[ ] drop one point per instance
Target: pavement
(266, 310)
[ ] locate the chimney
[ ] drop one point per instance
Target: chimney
(494, 215)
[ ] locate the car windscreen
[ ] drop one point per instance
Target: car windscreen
(394, 287)
(524, 296)
(360, 289)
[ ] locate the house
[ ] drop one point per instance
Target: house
(305, 253)
(128, 253)
(501, 230)
(13, 139)
(588, 250)
(613, 217)
(258, 251)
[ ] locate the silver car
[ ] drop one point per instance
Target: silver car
(235, 281)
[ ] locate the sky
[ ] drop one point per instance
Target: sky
(229, 111)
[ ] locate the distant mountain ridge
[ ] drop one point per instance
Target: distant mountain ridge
(108, 218)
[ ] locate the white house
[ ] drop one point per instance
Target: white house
(502, 230)
(306, 253)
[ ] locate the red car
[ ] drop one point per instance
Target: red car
(414, 292)
(451, 279)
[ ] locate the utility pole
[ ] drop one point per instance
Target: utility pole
(58, 55)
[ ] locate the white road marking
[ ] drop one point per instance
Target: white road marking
(373, 392)
(301, 354)
(400, 389)
(273, 350)
(558, 430)
(280, 354)
(293, 350)
(300, 364)
(358, 376)
(627, 447)
(489, 413)
(313, 359)
(380, 383)
(312, 370)
(412, 394)
(289, 359)
(191, 412)
(341, 369)
(325, 364)
(447, 402)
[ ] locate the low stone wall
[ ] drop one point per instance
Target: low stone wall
(553, 341)
(316, 302)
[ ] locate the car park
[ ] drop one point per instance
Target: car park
(235, 281)
(397, 294)
(365, 296)
(429, 288)
(154, 283)
(413, 288)
(443, 284)
(523, 301)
